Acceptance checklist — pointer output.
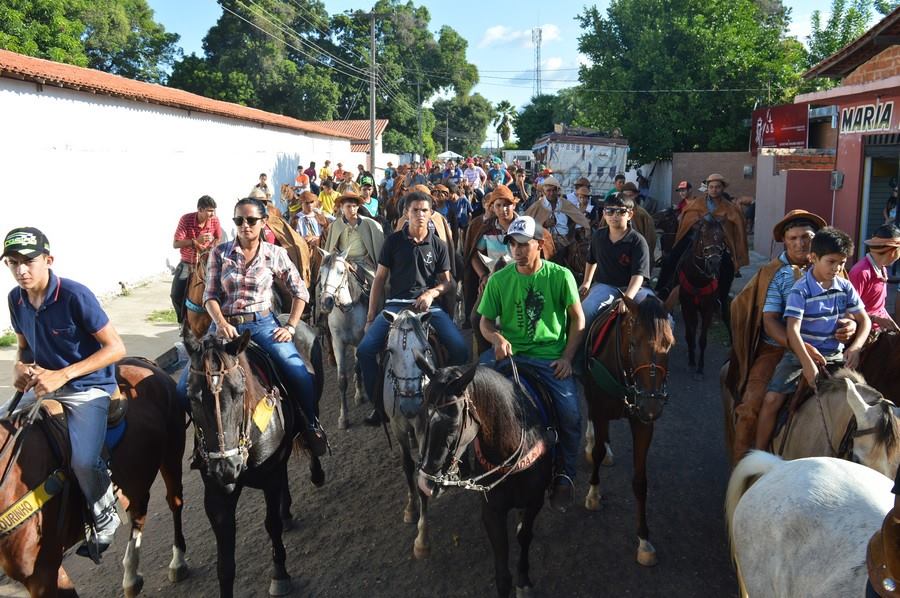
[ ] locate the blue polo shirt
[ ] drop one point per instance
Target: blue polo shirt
(60, 332)
(818, 309)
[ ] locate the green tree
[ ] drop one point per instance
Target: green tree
(535, 119)
(720, 56)
(503, 121)
(464, 120)
(42, 28)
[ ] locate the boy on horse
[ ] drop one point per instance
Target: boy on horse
(361, 238)
(816, 302)
(542, 323)
(67, 349)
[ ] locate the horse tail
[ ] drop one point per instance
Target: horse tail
(749, 469)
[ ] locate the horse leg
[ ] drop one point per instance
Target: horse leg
(409, 511)
(49, 580)
(342, 365)
(495, 525)
(707, 315)
(220, 510)
(132, 580)
(689, 312)
(524, 586)
(285, 502)
(171, 470)
(274, 493)
(64, 586)
(601, 428)
(641, 435)
(422, 547)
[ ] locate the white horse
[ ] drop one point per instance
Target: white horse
(339, 293)
(802, 528)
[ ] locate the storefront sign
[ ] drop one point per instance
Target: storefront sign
(779, 126)
(867, 118)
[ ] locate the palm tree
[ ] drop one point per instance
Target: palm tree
(503, 121)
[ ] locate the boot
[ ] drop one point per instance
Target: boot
(100, 535)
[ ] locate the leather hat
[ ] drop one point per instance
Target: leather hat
(503, 192)
(716, 177)
(802, 216)
(349, 196)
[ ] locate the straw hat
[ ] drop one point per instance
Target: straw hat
(551, 181)
(797, 218)
(886, 237)
(716, 177)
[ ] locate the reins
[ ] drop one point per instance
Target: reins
(215, 380)
(627, 372)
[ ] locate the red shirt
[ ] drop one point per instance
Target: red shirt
(189, 229)
(870, 282)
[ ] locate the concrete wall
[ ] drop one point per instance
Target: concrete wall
(770, 192)
(694, 167)
(107, 179)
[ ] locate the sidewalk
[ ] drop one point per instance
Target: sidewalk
(128, 313)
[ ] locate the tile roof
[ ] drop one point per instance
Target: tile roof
(355, 129)
(46, 72)
(362, 148)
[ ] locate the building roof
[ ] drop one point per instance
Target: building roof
(840, 64)
(357, 130)
(46, 72)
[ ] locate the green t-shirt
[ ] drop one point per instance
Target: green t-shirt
(532, 308)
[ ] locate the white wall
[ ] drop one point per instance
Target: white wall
(107, 179)
(771, 189)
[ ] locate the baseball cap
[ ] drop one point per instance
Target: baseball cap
(27, 241)
(366, 180)
(524, 229)
(683, 185)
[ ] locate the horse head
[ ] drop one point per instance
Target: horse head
(494, 264)
(408, 334)
(216, 389)
(647, 345)
(452, 424)
(334, 281)
(709, 246)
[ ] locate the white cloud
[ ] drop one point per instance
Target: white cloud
(551, 64)
(801, 27)
(583, 60)
(501, 35)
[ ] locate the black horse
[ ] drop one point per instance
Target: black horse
(244, 438)
(479, 406)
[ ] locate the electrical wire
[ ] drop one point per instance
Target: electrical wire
(355, 98)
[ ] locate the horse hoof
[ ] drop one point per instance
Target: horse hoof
(610, 459)
(646, 554)
(409, 516)
(592, 500)
(177, 574)
(343, 424)
(280, 587)
(525, 592)
(134, 589)
(421, 550)
(316, 473)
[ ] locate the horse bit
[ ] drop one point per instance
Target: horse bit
(632, 392)
(215, 379)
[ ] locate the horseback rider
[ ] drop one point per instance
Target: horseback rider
(359, 237)
(238, 298)
(758, 331)
(67, 348)
(196, 230)
(557, 215)
(541, 324)
(416, 263)
(713, 205)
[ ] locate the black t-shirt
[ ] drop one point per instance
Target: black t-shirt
(618, 262)
(414, 266)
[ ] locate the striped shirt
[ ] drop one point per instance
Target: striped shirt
(189, 229)
(242, 287)
(818, 310)
(778, 291)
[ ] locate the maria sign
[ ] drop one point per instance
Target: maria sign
(779, 126)
(867, 118)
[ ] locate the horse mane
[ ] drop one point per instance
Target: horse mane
(652, 316)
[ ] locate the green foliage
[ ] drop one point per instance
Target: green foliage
(503, 121)
(7, 339)
(535, 119)
(468, 116)
(116, 36)
(644, 46)
(163, 316)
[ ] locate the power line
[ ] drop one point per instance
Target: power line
(324, 32)
(355, 98)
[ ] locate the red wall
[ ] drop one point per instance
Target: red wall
(808, 190)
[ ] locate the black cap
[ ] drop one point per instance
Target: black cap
(27, 241)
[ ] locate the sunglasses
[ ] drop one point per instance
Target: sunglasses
(615, 211)
(251, 220)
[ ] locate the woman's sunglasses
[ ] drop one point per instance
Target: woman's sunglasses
(251, 220)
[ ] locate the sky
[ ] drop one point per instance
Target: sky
(499, 41)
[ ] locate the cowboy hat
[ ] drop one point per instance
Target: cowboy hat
(349, 196)
(797, 218)
(421, 189)
(503, 192)
(886, 237)
(716, 177)
(551, 181)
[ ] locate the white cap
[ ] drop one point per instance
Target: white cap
(524, 229)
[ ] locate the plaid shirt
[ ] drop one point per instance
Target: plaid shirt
(241, 287)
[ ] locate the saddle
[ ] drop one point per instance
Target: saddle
(883, 558)
(535, 391)
(264, 369)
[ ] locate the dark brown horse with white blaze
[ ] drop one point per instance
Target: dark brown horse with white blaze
(32, 553)
(626, 377)
(701, 292)
(481, 407)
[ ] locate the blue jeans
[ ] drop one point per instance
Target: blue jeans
(565, 400)
(373, 343)
(287, 360)
(599, 295)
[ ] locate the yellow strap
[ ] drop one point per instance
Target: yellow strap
(31, 503)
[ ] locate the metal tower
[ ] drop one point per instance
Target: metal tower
(536, 40)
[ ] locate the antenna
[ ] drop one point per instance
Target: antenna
(536, 39)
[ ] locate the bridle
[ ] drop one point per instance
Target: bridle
(417, 382)
(215, 379)
(333, 289)
(708, 253)
(633, 394)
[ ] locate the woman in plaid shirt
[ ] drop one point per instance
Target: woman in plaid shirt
(238, 297)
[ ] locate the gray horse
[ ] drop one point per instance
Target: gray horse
(340, 293)
(404, 385)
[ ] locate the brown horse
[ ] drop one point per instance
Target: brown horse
(626, 377)
(578, 251)
(32, 553)
(666, 223)
(700, 288)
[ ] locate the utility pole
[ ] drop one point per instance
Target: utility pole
(447, 132)
(372, 100)
(419, 118)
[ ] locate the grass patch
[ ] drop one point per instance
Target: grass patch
(163, 316)
(7, 339)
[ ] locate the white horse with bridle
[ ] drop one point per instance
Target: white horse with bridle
(802, 528)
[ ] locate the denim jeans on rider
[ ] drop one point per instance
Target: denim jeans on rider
(373, 343)
(286, 358)
(565, 397)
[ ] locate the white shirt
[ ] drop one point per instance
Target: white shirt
(562, 221)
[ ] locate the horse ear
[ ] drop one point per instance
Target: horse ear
(631, 304)
(458, 386)
(857, 403)
(389, 316)
(423, 364)
(343, 253)
(238, 345)
(322, 251)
